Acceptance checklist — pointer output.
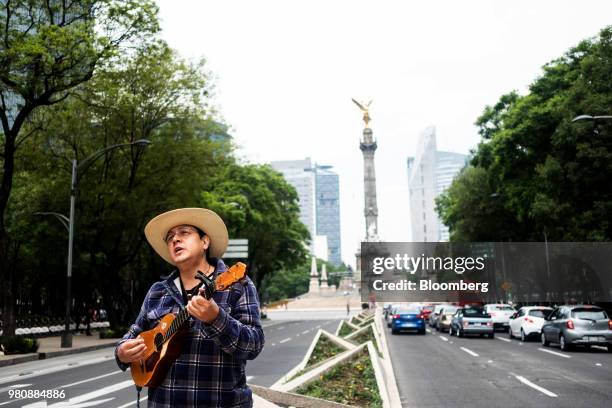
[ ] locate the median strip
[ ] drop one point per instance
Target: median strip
(554, 352)
(469, 351)
(535, 386)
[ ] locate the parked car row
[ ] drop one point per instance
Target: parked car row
(567, 325)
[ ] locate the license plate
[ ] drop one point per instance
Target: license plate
(408, 324)
(595, 338)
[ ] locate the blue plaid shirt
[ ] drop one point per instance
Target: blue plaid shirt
(210, 371)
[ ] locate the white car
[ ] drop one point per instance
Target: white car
(528, 321)
(500, 315)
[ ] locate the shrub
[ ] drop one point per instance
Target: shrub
(19, 344)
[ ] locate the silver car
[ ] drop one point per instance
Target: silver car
(577, 325)
(471, 321)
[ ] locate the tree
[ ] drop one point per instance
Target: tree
(258, 204)
(47, 49)
(150, 94)
(535, 171)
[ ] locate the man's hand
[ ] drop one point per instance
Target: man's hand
(131, 350)
(203, 309)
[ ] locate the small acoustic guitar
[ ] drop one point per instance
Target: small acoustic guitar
(163, 342)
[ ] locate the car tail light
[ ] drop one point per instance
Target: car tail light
(396, 316)
(610, 324)
(489, 323)
(492, 314)
(528, 320)
(465, 324)
(420, 316)
(570, 324)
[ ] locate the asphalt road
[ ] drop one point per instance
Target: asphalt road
(93, 379)
(436, 370)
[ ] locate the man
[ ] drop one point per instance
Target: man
(223, 332)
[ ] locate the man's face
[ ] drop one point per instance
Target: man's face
(184, 244)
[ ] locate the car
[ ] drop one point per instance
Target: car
(527, 322)
(427, 309)
(433, 316)
(445, 316)
(471, 320)
(572, 325)
(500, 314)
(407, 318)
(387, 311)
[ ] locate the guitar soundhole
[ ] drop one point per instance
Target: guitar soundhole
(159, 341)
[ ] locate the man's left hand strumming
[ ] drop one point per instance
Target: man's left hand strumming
(203, 309)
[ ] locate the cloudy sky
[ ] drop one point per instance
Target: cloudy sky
(285, 72)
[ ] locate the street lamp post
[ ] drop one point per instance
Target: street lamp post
(594, 119)
(79, 170)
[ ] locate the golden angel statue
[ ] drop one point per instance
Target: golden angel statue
(366, 110)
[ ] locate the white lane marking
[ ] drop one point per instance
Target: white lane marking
(443, 338)
(428, 331)
(598, 364)
(503, 339)
(554, 352)
(451, 342)
(285, 340)
(95, 394)
(52, 369)
(273, 344)
(305, 331)
(280, 328)
(131, 403)
(490, 361)
(297, 335)
(535, 386)
(469, 351)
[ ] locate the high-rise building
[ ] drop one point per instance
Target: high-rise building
(430, 173)
(319, 200)
(298, 173)
(327, 208)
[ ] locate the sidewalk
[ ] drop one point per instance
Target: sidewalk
(50, 347)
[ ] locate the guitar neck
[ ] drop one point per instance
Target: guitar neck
(177, 324)
(182, 317)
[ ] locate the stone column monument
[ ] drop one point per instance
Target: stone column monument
(368, 148)
(313, 287)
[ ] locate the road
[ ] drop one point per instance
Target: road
(93, 379)
(436, 370)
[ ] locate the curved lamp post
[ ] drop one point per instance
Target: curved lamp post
(78, 169)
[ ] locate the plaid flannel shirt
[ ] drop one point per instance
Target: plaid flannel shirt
(210, 371)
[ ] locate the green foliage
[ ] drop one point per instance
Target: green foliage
(18, 344)
(324, 349)
(345, 330)
(535, 171)
(352, 382)
(49, 49)
(151, 94)
(258, 204)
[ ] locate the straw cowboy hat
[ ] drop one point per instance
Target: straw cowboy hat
(205, 219)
